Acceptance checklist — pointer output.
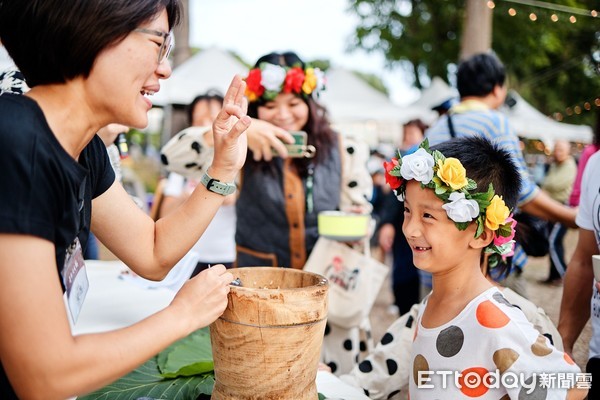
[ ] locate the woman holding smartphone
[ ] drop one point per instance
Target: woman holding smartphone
(281, 196)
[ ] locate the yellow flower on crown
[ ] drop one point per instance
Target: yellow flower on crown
(452, 173)
(310, 81)
(496, 213)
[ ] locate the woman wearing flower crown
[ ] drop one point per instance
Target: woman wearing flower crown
(280, 197)
(469, 340)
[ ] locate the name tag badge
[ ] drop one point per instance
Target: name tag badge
(75, 279)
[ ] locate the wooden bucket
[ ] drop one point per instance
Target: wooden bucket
(267, 343)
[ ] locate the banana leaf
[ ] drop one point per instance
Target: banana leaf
(146, 382)
(188, 361)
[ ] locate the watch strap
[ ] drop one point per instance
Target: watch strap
(216, 186)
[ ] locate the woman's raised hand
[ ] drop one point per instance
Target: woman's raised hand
(263, 137)
(228, 132)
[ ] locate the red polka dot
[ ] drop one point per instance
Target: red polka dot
(568, 359)
(473, 382)
(490, 316)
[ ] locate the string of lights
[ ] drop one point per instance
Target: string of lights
(556, 9)
(577, 109)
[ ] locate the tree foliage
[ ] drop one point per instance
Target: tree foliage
(554, 65)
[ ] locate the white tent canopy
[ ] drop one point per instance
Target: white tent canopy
(360, 111)
(528, 122)
(437, 93)
(209, 69)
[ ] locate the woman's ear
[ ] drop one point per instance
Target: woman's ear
(486, 237)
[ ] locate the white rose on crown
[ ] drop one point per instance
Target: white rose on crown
(272, 77)
(418, 166)
(460, 209)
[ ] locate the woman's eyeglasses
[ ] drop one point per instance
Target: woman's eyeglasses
(165, 47)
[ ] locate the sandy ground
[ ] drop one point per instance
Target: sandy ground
(546, 296)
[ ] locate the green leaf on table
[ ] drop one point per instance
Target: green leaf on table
(146, 381)
(191, 355)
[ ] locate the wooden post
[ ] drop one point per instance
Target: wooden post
(477, 32)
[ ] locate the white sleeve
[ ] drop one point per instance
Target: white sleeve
(174, 185)
(584, 217)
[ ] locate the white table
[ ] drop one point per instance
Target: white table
(113, 303)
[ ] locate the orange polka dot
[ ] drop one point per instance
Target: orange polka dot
(473, 382)
(568, 359)
(490, 316)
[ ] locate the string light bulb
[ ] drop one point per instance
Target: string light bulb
(572, 19)
(491, 4)
(554, 17)
(512, 12)
(533, 17)
(594, 13)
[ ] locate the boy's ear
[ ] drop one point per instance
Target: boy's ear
(483, 240)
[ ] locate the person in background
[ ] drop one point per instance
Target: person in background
(583, 159)
(558, 183)
(61, 185)
(481, 85)
(280, 196)
(405, 276)
(217, 244)
(581, 293)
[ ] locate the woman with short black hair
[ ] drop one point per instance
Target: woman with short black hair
(90, 63)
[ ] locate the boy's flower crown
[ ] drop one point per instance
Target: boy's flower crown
(447, 178)
(268, 80)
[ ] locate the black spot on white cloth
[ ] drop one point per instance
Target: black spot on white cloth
(164, 159)
(365, 366)
(409, 321)
(196, 147)
(450, 341)
(350, 149)
(395, 392)
(387, 338)
(333, 367)
(549, 336)
(363, 345)
(392, 366)
(352, 184)
(191, 165)
(327, 329)
(348, 344)
(367, 393)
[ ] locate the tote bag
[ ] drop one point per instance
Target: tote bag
(354, 280)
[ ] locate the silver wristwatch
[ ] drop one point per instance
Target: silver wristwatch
(216, 186)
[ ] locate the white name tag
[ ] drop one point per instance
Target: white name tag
(75, 278)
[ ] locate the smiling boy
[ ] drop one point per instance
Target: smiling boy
(470, 341)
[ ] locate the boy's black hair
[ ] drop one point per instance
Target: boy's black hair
(485, 163)
(210, 95)
(479, 74)
(53, 41)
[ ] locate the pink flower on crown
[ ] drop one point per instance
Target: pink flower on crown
(500, 240)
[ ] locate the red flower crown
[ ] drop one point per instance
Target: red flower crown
(268, 80)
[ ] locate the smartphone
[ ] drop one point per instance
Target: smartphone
(298, 149)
